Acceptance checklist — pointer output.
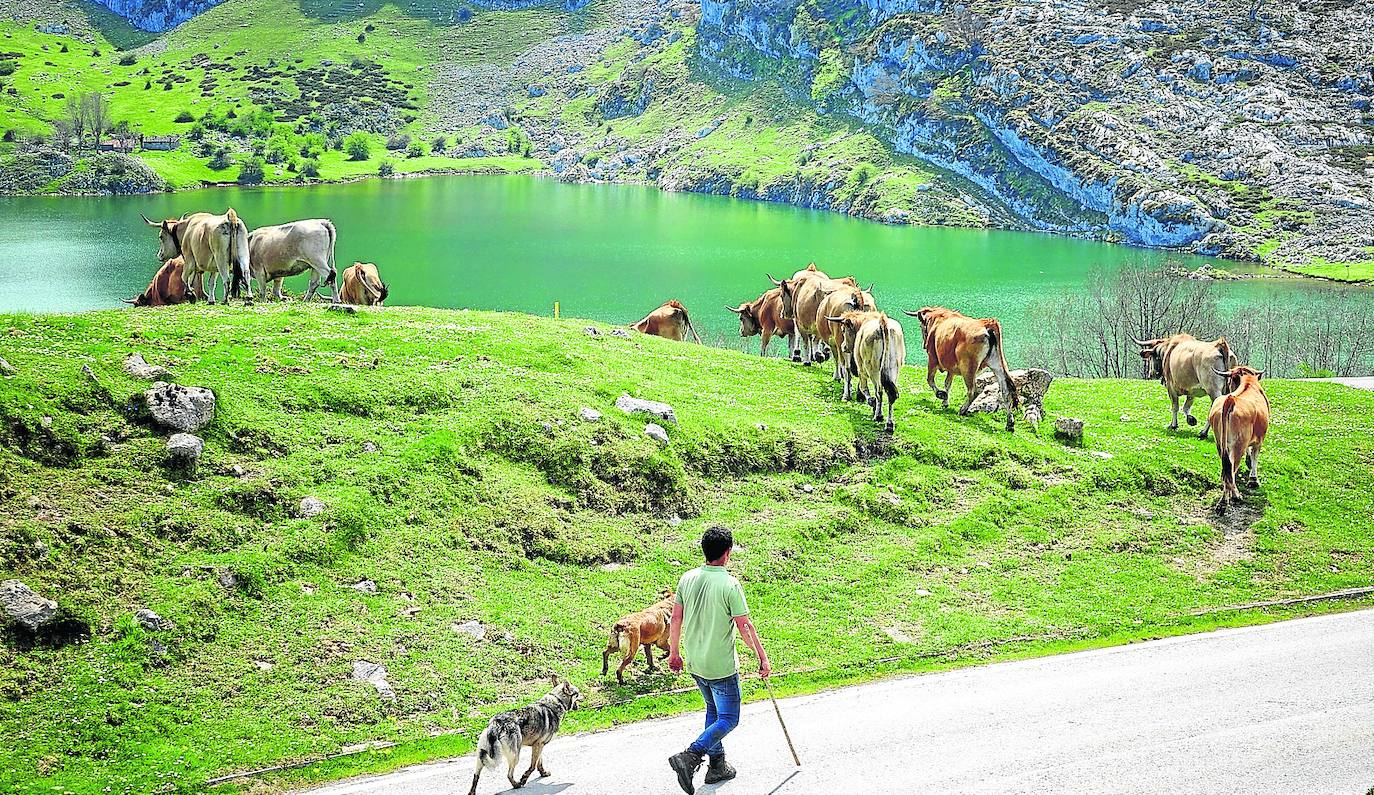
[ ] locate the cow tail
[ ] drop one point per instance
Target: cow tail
(690, 327)
(238, 280)
(333, 238)
(884, 373)
(1003, 374)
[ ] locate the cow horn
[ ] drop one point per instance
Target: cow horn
(910, 313)
(149, 221)
(1222, 373)
(1142, 343)
(128, 301)
(834, 319)
(870, 287)
(729, 308)
(771, 279)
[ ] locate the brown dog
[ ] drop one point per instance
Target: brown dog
(647, 628)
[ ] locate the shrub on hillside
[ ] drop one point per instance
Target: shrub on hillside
(439, 144)
(184, 117)
(310, 167)
(386, 169)
(220, 159)
(129, 59)
(252, 170)
(416, 149)
(357, 146)
(398, 142)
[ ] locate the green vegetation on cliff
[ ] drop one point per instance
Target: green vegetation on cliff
(458, 477)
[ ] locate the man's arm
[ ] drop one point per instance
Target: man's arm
(675, 639)
(751, 639)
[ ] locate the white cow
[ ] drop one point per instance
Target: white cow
(213, 244)
(276, 252)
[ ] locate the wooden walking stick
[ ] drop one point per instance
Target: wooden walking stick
(785, 733)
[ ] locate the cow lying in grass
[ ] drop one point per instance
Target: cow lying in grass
(647, 628)
(669, 321)
(168, 287)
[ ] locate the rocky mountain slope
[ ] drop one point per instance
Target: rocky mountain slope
(1239, 128)
(157, 15)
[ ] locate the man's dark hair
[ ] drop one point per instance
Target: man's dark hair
(716, 542)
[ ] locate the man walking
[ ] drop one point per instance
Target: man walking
(709, 606)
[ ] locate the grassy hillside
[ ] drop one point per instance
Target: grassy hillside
(459, 478)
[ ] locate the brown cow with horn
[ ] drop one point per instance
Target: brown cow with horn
(669, 321)
(213, 244)
(1241, 420)
(1187, 367)
(847, 299)
(763, 316)
(168, 287)
(955, 343)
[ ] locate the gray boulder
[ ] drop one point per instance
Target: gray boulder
(178, 408)
(592, 331)
(7, 369)
(151, 621)
(660, 411)
(656, 432)
(1031, 386)
(589, 414)
(184, 451)
(24, 607)
(311, 506)
(364, 586)
(375, 675)
(138, 367)
(621, 333)
(1069, 429)
(473, 629)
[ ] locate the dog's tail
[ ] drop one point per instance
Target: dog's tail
(486, 748)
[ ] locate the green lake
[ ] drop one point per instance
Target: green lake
(606, 252)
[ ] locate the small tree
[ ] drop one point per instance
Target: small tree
(252, 170)
(310, 167)
(184, 117)
(416, 149)
(439, 144)
(387, 168)
(357, 146)
(220, 159)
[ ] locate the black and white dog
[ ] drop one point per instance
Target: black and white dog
(532, 726)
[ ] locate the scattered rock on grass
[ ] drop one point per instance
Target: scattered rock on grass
(621, 333)
(25, 607)
(375, 675)
(151, 621)
(183, 452)
(592, 331)
(656, 432)
(365, 586)
(138, 367)
(1069, 429)
(7, 369)
(589, 414)
(347, 309)
(897, 635)
(178, 408)
(1031, 385)
(471, 628)
(311, 506)
(652, 408)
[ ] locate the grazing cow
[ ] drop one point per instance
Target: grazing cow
(647, 628)
(763, 316)
(168, 287)
(213, 244)
(801, 298)
(965, 345)
(1240, 419)
(809, 272)
(873, 348)
(1187, 367)
(362, 286)
(836, 304)
(276, 252)
(669, 321)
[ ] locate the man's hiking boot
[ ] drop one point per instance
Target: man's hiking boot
(719, 770)
(685, 765)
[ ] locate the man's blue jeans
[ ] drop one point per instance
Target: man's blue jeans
(722, 712)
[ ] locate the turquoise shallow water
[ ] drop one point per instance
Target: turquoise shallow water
(608, 252)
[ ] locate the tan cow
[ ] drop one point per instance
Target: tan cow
(1187, 367)
(213, 244)
(836, 304)
(362, 286)
(955, 343)
(873, 347)
(763, 316)
(277, 252)
(801, 299)
(168, 287)
(809, 272)
(647, 628)
(1241, 420)
(669, 321)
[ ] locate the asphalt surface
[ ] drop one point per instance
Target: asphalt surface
(1283, 708)
(1358, 383)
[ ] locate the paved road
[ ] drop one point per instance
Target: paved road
(1285, 708)
(1357, 383)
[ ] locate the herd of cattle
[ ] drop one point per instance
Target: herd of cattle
(821, 318)
(220, 246)
(825, 318)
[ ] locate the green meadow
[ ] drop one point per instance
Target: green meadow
(460, 480)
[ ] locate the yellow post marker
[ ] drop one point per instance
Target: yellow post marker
(555, 310)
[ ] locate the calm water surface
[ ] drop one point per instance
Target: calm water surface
(608, 252)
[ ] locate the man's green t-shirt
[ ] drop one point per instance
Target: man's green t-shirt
(711, 600)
